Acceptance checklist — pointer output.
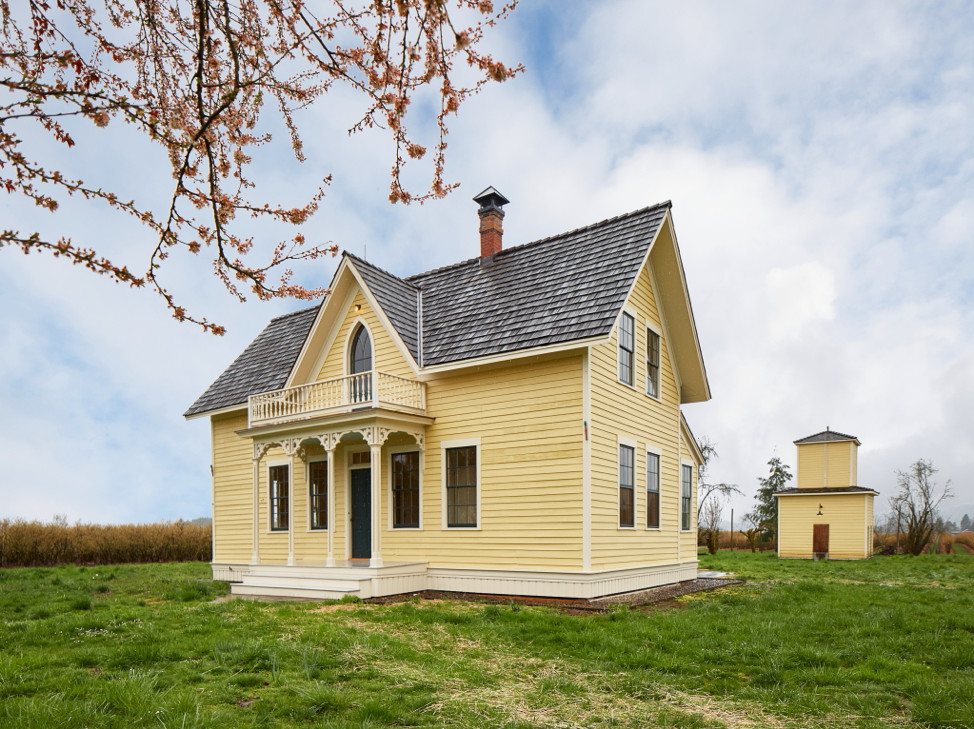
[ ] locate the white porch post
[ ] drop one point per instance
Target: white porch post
(330, 500)
(292, 502)
(255, 553)
(376, 468)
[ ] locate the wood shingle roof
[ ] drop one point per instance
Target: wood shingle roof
(557, 290)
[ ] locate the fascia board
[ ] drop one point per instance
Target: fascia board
(218, 411)
(325, 306)
(683, 294)
(379, 312)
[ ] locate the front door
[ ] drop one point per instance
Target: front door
(362, 513)
(820, 541)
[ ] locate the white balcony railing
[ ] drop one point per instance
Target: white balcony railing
(338, 395)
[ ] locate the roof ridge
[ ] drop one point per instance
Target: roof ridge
(295, 313)
(378, 268)
(828, 431)
(666, 204)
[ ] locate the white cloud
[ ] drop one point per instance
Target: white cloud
(820, 164)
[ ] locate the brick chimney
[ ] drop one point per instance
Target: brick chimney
(491, 221)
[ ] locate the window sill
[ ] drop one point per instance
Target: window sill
(461, 529)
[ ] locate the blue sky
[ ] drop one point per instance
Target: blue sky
(820, 161)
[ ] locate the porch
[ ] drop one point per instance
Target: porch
(346, 394)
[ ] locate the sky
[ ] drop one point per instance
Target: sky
(820, 161)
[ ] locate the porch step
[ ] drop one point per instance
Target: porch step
(294, 592)
(330, 583)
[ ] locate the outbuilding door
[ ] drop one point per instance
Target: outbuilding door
(362, 513)
(820, 540)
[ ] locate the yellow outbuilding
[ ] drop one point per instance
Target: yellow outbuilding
(828, 515)
(508, 424)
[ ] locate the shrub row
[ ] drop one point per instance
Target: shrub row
(941, 543)
(38, 544)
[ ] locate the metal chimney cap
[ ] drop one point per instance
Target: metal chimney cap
(490, 199)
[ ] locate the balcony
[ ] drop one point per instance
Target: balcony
(338, 395)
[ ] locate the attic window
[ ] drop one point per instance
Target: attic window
(627, 348)
(361, 356)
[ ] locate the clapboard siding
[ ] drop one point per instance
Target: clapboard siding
(849, 517)
(232, 489)
(528, 416)
(622, 411)
(385, 354)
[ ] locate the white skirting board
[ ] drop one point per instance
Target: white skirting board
(572, 585)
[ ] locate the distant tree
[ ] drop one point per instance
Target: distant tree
(752, 535)
(199, 78)
(706, 489)
(709, 524)
(916, 504)
(764, 517)
(965, 522)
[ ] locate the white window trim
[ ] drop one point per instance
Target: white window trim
(444, 517)
(323, 458)
(290, 495)
(635, 347)
(349, 336)
(414, 448)
(693, 524)
(656, 451)
(659, 385)
(622, 440)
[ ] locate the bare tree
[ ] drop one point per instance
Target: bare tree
(916, 504)
(202, 79)
(705, 489)
(709, 523)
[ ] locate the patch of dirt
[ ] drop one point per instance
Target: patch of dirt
(661, 598)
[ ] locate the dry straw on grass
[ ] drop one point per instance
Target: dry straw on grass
(37, 544)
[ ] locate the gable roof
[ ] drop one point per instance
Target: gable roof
(399, 300)
(264, 365)
(827, 436)
(565, 288)
(559, 289)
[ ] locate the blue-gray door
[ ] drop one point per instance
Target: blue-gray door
(362, 513)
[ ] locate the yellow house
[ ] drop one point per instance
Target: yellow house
(510, 424)
(827, 516)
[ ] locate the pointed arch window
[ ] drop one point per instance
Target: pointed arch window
(361, 354)
(360, 365)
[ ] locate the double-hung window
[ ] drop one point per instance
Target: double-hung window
(318, 493)
(652, 363)
(685, 497)
(405, 490)
(280, 489)
(652, 491)
(461, 486)
(627, 348)
(627, 477)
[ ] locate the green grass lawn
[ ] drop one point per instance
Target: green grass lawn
(888, 642)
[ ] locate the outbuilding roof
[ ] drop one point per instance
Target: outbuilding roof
(827, 436)
(830, 490)
(556, 290)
